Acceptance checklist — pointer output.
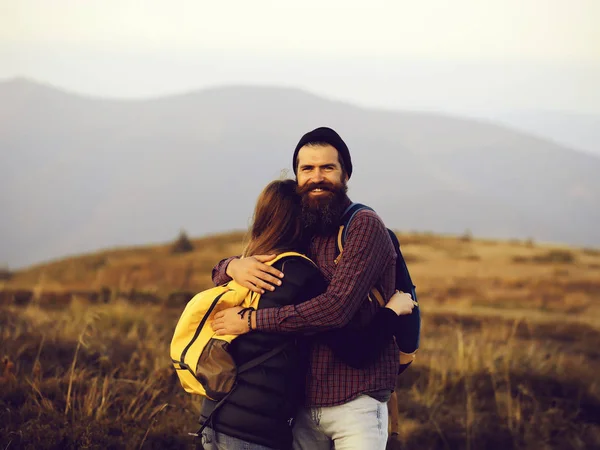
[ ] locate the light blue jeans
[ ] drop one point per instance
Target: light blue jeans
(360, 424)
(213, 440)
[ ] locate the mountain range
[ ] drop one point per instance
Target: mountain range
(81, 173)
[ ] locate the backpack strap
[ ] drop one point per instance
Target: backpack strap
(375, 293)
(233, 285)
(401, 268)
(262, 358)
(347, 217)
(345, 221)
(287, 254)
(412, 322)
(243, 368)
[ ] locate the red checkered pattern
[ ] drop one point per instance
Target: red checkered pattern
(368, 260)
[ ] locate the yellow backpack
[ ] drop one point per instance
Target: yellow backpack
(201, 358)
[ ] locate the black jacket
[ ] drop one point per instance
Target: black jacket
(266, 398)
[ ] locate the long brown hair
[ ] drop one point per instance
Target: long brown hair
(277, 222)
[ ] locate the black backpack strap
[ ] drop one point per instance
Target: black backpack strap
(349, 215)
(376, 293)
(345, 221)
(409, 339)
(262, 358)
(243, 368)
(402, 269)
(408, 332)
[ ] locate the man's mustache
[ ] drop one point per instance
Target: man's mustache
(325, 186)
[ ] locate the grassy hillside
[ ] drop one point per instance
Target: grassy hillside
(153, 269)
(509, 359)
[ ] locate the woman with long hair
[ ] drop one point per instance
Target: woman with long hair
(259, 413)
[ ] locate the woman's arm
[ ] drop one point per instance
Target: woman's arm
(360, 347)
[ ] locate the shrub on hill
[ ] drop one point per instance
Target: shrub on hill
(5, 273)
(182, 244)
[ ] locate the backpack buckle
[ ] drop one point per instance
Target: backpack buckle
(337, 260)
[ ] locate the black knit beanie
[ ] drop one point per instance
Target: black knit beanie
(327, 135)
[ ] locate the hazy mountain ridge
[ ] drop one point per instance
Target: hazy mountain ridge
(80, 173)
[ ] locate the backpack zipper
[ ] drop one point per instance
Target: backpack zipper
(199, 329)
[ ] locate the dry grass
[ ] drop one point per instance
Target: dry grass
(91, 377)
(509, 359)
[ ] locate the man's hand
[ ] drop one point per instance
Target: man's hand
(401, 303)
(229, 321)
(254, 274)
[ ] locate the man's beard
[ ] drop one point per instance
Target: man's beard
(321, 214)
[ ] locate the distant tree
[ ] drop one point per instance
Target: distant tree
(467, 236)
(5, 273)
(182, 244)
(105, 294)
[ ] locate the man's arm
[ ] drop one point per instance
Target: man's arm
(250, 272)
(367, 253)
(219, 272)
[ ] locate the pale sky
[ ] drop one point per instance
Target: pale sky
(539, 30)
(449, 55)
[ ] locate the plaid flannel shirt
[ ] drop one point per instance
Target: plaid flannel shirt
(368, 259)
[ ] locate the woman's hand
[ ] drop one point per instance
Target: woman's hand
(401, 303)
(229, 321)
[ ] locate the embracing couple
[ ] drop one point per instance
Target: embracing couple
(330, 387)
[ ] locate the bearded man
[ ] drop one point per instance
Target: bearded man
(345, 406)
